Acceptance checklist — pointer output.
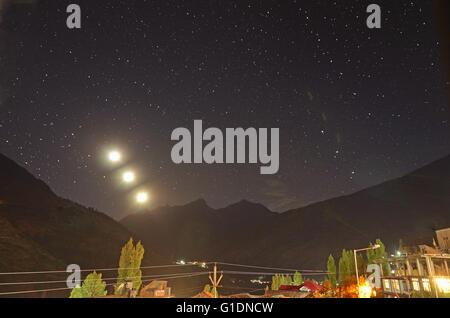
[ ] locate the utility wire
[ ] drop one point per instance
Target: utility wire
(40, 290)
(105, 279)
(182, 275)
(163, 266)
(100, 269)
(155, 276)
(265, 273)
(272, 268)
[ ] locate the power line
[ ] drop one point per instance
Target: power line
(161, 266)
(252, 289)
(104, 279)
(40, 290)
(100, 269)
(266, 273)
(154, 276)
(271, 268)
(181, 275)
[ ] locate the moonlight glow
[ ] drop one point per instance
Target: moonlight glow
(128, 176)
(114, 156)
(142, 197)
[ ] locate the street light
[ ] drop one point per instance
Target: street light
(356, 262)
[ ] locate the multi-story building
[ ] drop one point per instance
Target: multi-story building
(422, 271)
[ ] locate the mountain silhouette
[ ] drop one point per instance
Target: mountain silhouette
(408, 208)
(40, 231)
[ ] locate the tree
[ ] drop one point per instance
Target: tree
(92, 286)
(129, 266)
(345, 265)
(351, 263)
(378, 253)
(286, 280)
(362, 266)
(274, 284)
(331, 268)
(298, 279)
(282, 280)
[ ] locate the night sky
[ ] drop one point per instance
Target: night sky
(355, 106)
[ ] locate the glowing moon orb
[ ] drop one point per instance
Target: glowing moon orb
(114, 156)
(128, 176)
(142, 197)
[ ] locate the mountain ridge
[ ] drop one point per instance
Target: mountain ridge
(42, 231)
(409, 207)
(48, 229)
(203, 200)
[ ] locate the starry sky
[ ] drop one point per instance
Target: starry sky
(355, 106)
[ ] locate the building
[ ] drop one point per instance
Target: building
(204, 294)
(418, 274)
(292, 291)
(310, 286)
(285, 294)
(443, 240)
(156, 289)
(420, 271)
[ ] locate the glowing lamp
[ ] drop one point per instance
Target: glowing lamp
(128, 176)
(142, 197)
(114, 156)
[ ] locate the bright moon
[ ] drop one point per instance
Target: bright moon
(142, 197)
(114, 156)
(128, 176)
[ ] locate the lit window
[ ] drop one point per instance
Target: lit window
(443, 284)
(426, 284)
(396, 285)
(415, 283)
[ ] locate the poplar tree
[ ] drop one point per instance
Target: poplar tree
(345, 265)
(378, 253)
(298, 279)
(282, 280)
(276, 282)
(287, 280)
(129, 266)
(331, 268)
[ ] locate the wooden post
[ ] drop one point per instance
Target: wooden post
(214, 280)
